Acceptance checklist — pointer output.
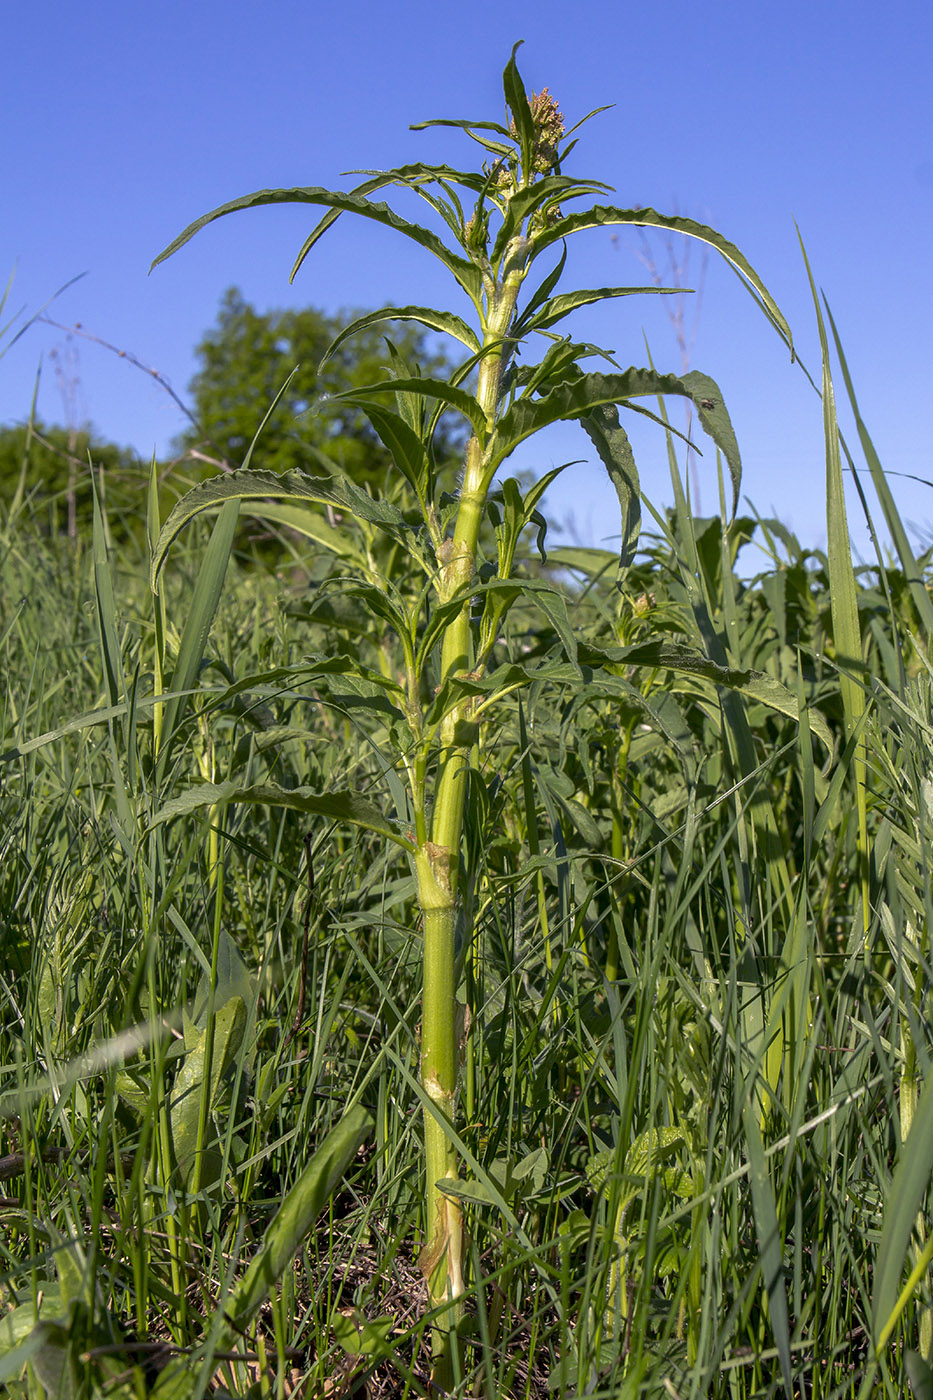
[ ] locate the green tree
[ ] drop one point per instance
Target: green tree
(247, 356)
(46, 469)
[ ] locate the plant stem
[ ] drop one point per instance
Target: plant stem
(437, 862)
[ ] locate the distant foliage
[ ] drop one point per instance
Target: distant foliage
(247, 356)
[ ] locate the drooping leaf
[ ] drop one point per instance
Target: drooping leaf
(712, 413)
(601, 215)
(409, 175)
(467, 275)
(338, 492)
(428, 388)
(555, 309)
(757, 685)
(611, 442)
(577, 397)
(424, 315)
(338, 806)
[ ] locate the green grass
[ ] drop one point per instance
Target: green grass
(678, 1176)
(430, 968)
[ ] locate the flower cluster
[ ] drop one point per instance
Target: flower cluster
(549, 128)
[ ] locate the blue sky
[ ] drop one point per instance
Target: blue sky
(122, 122)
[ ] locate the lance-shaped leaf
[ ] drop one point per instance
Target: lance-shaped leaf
(336, 806)
(577, 398)
(428, 388)
(245, 485)
(611, 442)
(535, 196)
(405, 175)
(712, 413)
(517, 101)
(560, 306)
(284, 1238)
(228, 1029)
(756, 685)
(468, 276)
(601, 214)
(407, 449)
(425, 315)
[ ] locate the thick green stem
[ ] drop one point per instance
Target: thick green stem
(437, 863)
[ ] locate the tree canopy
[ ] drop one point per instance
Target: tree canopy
(247, 356)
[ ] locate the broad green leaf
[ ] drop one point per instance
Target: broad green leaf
(920, 1375)
(408, 452)
(338, 806)
(602, 214)
(297, 1214)
(757, 685)
(185, 1108)
(578, 397)
(360, 1335)
(611, 442)
(468, 276)
(518, 104)
(18, 1323)
(338, 492)
(424, 315)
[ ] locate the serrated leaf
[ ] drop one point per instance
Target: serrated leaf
(337, 806)
(560, 306)
(615, 451)
(338, 492)
(712, 413)
(425, 315)
(577, 398)
(468, 276)
(600, 215)
(427, 388)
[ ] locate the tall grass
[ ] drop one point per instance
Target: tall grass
(696, 1118)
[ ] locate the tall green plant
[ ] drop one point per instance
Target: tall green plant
(446, 609)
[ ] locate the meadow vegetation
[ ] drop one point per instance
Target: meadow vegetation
(435, 960)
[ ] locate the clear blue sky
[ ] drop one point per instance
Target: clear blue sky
(123, 122)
